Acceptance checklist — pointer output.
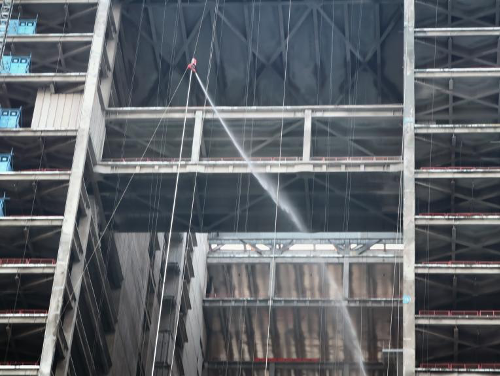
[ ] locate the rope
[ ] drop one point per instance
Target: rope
(172, 219)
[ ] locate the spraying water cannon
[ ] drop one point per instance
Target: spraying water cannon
(192, 66)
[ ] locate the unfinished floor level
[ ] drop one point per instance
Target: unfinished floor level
(137, 239)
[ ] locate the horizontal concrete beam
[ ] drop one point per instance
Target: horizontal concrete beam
(457, 32)
(457, 72)
(299, 303)
(53, 221)
(456, 269)
(51, 38)
(448, 220)
(28, 132)
(309, 258)
(291, 112)
(41, 79)
(19, 370)
(23, 318)
(35, 175)
(295, 365)
(457, 128)
(153, 3)
(27, 269)
(457, 320)
(304, 238)
(241, 167)
(448, 372)
(458, 173)
(21, 2)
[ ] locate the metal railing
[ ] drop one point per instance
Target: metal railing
(461, 365)
(33, 261)
(459, 214)
(23, 312)
(453, 313)
(461, 263)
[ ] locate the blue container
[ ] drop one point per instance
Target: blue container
(15, 64)
(6, 162)
(22, 27)
(10, 117)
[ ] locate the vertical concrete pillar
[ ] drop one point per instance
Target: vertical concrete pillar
(272, 369)
(110, 50)
(272, 279)
(409, 192)
(76, 280)
(197, 137)
(455, 344)
(345, 277)
(306, 149)
(74, 191)
(347, 370)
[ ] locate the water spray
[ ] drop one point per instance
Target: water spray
(283, 202)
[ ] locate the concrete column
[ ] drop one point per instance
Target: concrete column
(347, 370)
(345, 278)
(272, 369)
(111, 49)
(306, 150)
(409, 192)
(74, 191)
(455, 344)
(453, 243)
(76, 280)
(197, 137)
(272, 279)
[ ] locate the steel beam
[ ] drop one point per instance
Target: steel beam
(239, 258)
(51, 38)
(304, 238)
(457, 73)
(457, 32)
(457, 269)
(457, 128)
(39, 221)
(451, 220)
(298, 303)
(455, 372)
(457, 321)
(241, 167)
(265, 2)
(296, 364)
(27, 269)
(23, 318)
(64, 2)
(75, 281)
(197, 137)
(459, 173)
(43, 79)
(306, 147)
(88, 108)
(139, 114)
(409, 190)
(28, 132)
(34, 176)
(19, 370)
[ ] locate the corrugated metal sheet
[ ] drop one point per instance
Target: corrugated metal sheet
(97, 128)
(56, 111)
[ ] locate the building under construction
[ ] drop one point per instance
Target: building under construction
(317, 193)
